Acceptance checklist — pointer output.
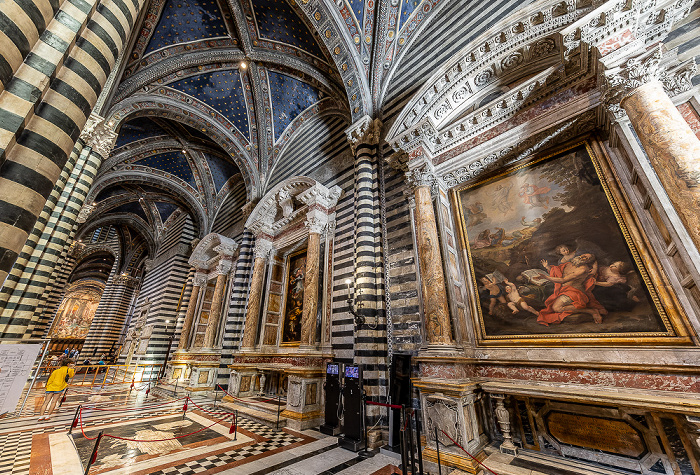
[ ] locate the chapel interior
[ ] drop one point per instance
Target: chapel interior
(458, 234)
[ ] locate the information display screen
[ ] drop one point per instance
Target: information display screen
(352, 372)
(332, 369)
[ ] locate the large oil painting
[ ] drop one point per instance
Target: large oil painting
(550, 256)
(75, 314)
(294, 298)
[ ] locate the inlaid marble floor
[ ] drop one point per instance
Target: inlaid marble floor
(203, 443)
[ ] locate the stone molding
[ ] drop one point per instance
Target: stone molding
(212, 250)
(262, 248)
(98, 135)
(316, 221)
(200, 279)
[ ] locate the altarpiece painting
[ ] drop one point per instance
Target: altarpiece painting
(294, 298)
(552, 258)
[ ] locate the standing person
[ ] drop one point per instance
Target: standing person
(58, 381)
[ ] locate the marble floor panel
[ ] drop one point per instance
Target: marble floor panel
(150, 436)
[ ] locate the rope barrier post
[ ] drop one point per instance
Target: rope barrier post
(63, 398)
(402, 439)
(235, 416)
(279, 398)
(93, 457)
(365, 454)
(410, 443)
(216, 396)
(184, 407)
(437, 445)
(176, 381)
(420, 455)
(148, 390)
(132, 385)
(74, 424)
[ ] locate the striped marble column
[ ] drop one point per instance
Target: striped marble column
(110, 317)
(370, 345)
(42, 116)
(31, 280)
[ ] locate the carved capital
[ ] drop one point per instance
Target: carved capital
(98, 135)
(199, 279)
(126, 280)
(422, 174)
(262, 248)
(248, 208)
(148, 264)
(223, 267)
(364, 131)
(84, 213)
(76, 248)
(316, 221)
(679, 79)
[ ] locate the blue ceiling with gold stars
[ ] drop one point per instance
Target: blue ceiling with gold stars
(137, 129)
(407, 7)
(221, 90)
(165, 209)
(221, 170)
(187, 20)
(290, 97)
(174, 163)
(358, 8)
(278, 22)
(133, 207)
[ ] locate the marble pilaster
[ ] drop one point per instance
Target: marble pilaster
(261, 251)
(435, 308)
(198, 281)
(669, 142)
(222, 270)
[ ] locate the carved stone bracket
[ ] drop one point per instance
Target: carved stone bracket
(364, 131)
(98, 135)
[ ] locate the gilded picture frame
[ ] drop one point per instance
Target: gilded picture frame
(295, 271)
(554, 256)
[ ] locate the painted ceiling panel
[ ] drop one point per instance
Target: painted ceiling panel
(407, 7)
(290, 97)
(187, 20)
(137, 129)
(221, 90)
(358, 8)
(278, 22)
(174, 163)
(133, 207)
(165, 210)
(109, 192)
(221, 170)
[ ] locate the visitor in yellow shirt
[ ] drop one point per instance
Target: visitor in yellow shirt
(58, 381)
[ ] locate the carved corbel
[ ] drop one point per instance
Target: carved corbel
(98, 135)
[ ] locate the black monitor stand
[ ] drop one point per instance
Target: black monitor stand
(353, 438)
(332, 387)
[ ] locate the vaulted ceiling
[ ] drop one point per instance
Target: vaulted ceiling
(219, 100)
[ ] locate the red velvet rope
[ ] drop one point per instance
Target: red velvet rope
(475, 459)
(393, 406)
(140, 407)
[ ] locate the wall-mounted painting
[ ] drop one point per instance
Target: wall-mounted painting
(294, 298)
(551, 258)
(75, 314)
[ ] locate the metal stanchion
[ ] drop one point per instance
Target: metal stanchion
(420, 455)
(93, 457)
(410, 445)
(279, 399)
(402, 439)
(235, 433)
(437, 445)
(74, 424)
(365, 454)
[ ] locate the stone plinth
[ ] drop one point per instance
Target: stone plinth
(451, 407)
(195, 369)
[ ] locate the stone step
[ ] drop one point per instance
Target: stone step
(256, 411)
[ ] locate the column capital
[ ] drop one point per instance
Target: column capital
(84, 213)
(262, 248)
(126, 280)
(366, 130)
(422, 174)
(98, 135)
(316, 221)
(223, 267)
(200, 279)
(320, 196)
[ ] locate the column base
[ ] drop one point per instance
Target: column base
(460, 461)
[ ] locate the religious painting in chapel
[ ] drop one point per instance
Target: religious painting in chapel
(75, 314)
(551, 257)
(294, 298)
